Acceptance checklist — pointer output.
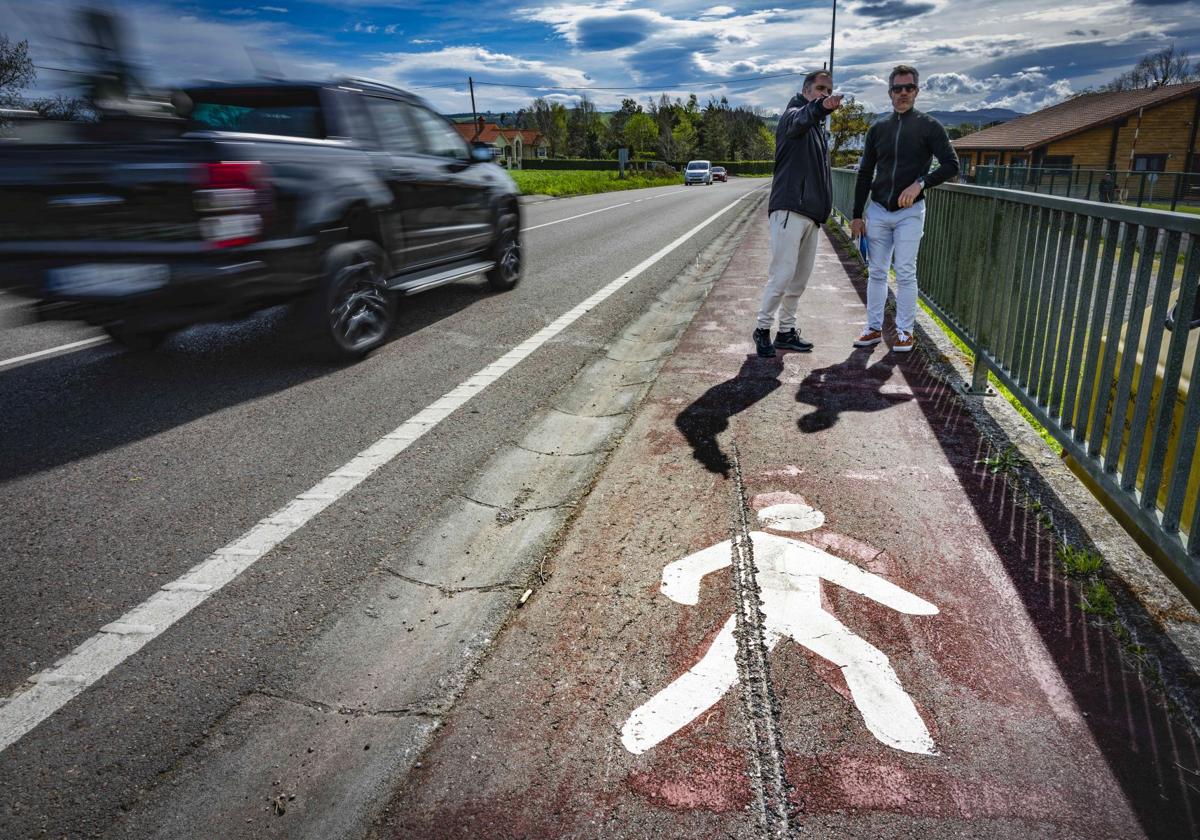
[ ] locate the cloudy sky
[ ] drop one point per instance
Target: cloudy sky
(1016, 54)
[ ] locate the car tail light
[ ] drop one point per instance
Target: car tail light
(233, 196)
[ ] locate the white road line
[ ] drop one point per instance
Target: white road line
(52, 688)
(62, 348)
(601, 210)
(580, 216)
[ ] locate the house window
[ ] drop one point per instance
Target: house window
(991, 160)
(541, 151)
(1150, 163)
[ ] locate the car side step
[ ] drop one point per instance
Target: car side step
(406, 284)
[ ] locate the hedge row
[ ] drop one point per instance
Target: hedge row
(734, 167)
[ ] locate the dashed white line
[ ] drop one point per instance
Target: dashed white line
(62, 348)
(580, 216)
(50, 689)
(601, 210)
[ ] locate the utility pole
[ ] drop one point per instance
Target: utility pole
(474, 116)
(832, 35)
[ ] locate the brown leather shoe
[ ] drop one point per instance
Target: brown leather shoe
(869, 338)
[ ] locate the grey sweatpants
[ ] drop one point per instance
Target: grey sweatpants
(793, 252)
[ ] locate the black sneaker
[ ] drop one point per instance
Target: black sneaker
(791, 340)
(762, 343)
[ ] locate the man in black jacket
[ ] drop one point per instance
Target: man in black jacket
(895, 174)
(801, 198)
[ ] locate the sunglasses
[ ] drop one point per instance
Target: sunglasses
(903, 88)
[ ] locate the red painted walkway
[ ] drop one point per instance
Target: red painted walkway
(1039, 727)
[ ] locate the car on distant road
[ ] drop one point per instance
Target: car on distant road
(697, 172)
(719, 173)
(340, 197)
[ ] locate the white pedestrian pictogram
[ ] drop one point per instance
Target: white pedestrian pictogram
(789, 574)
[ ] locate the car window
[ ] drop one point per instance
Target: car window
(440, 138)
(283, 113)
(698, 164)
(396, 131)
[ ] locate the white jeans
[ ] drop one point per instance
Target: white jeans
(793, 252)
(893, 240)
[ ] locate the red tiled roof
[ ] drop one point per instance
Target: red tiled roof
(1071, 117)
(529, 136)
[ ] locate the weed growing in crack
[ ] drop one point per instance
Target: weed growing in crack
(1098, 601)
(1079, 562)
(1008, 461)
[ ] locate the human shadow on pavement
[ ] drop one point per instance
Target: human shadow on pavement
(846, 386)
(708, 416)
(1150, 751)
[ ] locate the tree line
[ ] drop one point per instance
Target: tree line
(664, 129)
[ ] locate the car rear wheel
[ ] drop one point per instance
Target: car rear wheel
(353, 311)
(506, 253)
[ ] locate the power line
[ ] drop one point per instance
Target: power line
(697, 83)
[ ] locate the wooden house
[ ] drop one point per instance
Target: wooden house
(1152, 131)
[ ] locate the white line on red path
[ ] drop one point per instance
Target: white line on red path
(52, 688)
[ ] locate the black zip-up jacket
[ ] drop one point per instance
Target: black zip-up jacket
(802, 182)
(898, 150)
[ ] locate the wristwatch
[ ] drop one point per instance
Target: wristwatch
(921, 181)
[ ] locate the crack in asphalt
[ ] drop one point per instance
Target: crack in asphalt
(769, 774)
(345, 711)
(450, 591)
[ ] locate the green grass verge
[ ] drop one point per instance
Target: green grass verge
(1179, 208)
(564, 182)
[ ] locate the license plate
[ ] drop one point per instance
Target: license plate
(107, 279)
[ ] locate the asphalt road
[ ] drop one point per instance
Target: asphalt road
(119, 472)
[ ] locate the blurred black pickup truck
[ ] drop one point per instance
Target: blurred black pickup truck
(340, 196)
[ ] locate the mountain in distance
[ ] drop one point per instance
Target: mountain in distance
(979, 117)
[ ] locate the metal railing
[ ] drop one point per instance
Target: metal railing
(1155, 190)
(1067, 303)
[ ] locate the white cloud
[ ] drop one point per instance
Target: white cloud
(718, 11)
(277, 9)
(239, 12)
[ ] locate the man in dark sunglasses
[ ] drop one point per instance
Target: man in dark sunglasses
(801, 199)
(894, 174)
